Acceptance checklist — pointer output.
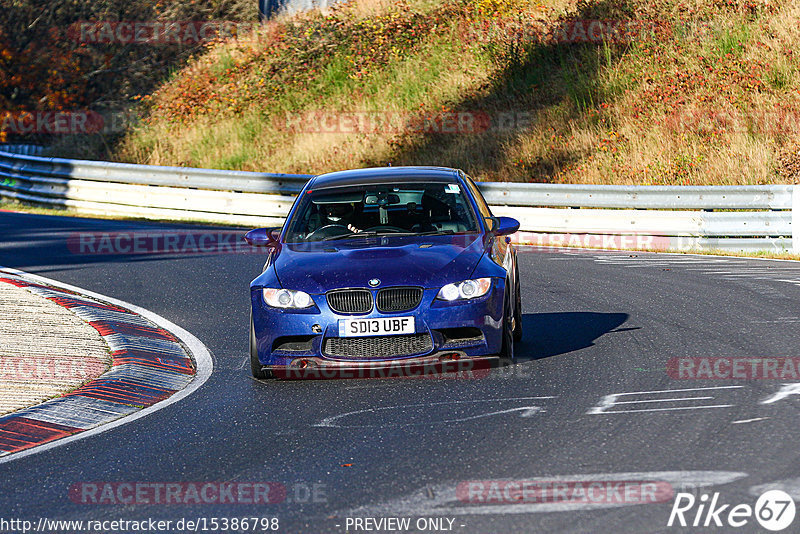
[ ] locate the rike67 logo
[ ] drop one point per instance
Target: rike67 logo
(774, 510)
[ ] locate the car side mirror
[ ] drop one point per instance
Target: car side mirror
(263, 237)
(502, 225)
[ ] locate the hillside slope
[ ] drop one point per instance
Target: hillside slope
(595, 91)
(92, 59)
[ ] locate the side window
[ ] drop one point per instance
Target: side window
(483, 207)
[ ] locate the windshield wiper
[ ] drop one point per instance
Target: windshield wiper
(370, 233)
(435, 232)
(349, 236)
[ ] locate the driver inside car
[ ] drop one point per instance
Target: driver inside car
(340, 214)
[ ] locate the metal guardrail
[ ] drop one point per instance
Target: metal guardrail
(26, 150)
(102, 171)
(754, 217)
(773, 197)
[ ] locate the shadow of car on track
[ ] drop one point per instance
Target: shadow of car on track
(551, 334)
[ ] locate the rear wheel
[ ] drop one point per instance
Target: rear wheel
(255, 365)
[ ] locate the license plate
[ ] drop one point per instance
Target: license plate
(385, 326)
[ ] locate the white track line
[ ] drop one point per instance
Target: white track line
(202, 357)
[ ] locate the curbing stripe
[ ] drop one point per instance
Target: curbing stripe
(152, 368)
(20, 433)
(70, 302)
(108, 328)
(120, 342)
(78, 412)
(128, 392)
(154, 360)
(90, 314)
(149, 376)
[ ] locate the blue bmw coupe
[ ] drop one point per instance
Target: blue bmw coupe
(385, 267)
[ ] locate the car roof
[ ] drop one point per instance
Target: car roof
(379, 175)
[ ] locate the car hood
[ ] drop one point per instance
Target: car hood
(427, 262)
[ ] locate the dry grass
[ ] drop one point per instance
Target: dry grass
(695, 104)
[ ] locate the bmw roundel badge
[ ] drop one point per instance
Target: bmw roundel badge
(374, 282)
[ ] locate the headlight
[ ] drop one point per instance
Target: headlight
(468, 289)
(287, 298)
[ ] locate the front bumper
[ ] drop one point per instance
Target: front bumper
(451, 331)
(446, 364)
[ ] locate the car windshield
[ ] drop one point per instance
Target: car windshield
(385, 209)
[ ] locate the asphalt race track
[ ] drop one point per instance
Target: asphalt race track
(591, 399)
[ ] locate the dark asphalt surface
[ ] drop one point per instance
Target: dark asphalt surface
(596, 324)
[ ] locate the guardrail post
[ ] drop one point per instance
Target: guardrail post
(796, 219)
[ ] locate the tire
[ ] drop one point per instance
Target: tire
(517, 307)
(507, 349)
(255, 365)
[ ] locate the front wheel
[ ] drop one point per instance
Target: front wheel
(255, 365)
(507, 350)
(517, 308)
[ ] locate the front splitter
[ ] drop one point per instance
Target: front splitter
(444, 364)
